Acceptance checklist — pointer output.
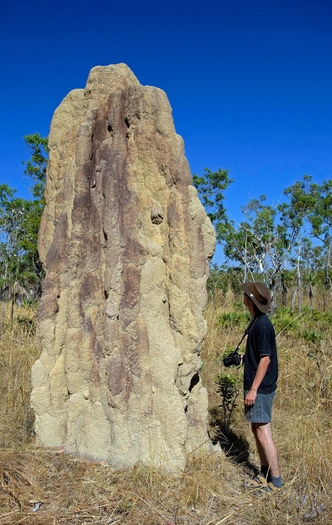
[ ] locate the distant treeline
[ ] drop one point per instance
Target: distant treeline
(288, 246)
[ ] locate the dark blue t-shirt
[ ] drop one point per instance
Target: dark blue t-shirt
(261, 341)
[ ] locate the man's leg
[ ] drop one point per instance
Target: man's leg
(265, 468)
(266, 448)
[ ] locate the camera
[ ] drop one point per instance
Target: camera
(233, 359)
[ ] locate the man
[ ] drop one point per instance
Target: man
(260, 376)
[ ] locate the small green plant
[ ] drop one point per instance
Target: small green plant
(232, 319)
(229, 388)
(285, 320)
(310, 336)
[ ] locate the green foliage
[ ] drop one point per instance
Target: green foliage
(285, 319)
(36, 167)
(228, 387)
(211, 187)
(19, 224)
(315, 201)
(310, 335)
(273, 244)
(224, 278)
(312, 203)
(232, 319)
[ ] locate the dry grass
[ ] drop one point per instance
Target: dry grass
(51, 488)
(18, 351)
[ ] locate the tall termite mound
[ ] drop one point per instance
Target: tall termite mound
(125, 244)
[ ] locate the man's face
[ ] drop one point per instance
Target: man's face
(246, 300)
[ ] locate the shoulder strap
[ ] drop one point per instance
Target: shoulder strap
(247, 330)
(250, 325)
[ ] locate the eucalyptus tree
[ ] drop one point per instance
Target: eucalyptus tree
(266, 243)
(295, 212)
(274, 242)
(21, 270)
(35, 169)
(313, 202)
(259, 245)
(37, 165)
(211, 187)
(321, 221)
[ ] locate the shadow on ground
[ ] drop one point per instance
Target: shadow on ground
(235, 446)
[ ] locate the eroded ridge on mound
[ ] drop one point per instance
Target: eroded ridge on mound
(125, 243)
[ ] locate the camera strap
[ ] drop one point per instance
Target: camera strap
(246, 332)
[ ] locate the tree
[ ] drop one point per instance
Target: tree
(14, 271)
(36, 170)
(274, 243)
(19, 223)
(313, 202)
(36, 167)
(211, 187)
(321, 222)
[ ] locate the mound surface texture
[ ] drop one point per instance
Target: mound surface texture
(125, 244)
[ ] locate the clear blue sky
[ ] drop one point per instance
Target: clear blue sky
(249, 81)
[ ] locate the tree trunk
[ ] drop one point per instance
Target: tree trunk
(299, 279)
(311, 295)
(293, 298)
(283, 292)
(2, 318)
(13, 303)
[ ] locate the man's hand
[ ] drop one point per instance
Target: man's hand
(250, 397)
(261, 371)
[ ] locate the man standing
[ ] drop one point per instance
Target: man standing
(260, 376)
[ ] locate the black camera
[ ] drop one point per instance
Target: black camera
(232, 359)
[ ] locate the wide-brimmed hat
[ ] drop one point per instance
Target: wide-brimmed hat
(259, 294)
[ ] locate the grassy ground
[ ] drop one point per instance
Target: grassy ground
(51, 488)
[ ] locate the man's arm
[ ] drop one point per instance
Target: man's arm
(260, 373)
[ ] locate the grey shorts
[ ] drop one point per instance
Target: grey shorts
(261, 411)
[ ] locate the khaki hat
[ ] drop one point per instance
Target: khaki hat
(259, 294)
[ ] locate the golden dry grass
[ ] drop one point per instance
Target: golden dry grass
(18, 351)
(51, 488)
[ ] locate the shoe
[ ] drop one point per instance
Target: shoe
(256, 482)
(269, 488)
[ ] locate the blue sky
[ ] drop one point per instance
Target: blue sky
(249, 81)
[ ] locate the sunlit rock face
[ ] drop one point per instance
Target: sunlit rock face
(125, 244)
